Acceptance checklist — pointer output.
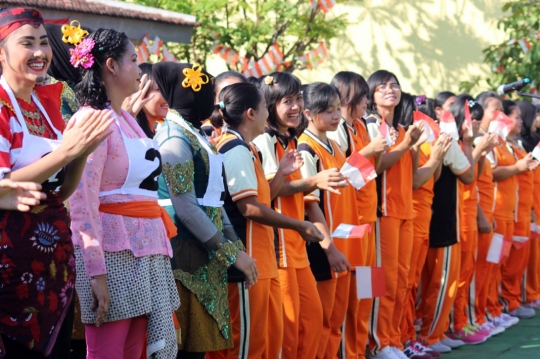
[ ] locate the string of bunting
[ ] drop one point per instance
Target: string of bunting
(157, 48)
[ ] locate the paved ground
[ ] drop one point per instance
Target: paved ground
(521, 341)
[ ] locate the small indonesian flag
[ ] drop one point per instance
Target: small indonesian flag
(359, 170)
(448, 125)
(536, 152)
(351, 231)
(499, 248)
(535, 231)
(384, 131)
(370, 282)
(467, 112)
(520, 241)
(501, 125)
(431, 129)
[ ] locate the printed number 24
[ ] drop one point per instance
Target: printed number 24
(150, 183)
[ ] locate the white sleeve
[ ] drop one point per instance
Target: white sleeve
(310, 169)
(456, 159)
(266, 144)
(240, 172)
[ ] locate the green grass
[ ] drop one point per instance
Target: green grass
(520, 341)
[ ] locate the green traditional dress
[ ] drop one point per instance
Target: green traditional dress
(191, 189)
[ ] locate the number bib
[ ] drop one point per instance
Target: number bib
(144, 166)
(35, 147)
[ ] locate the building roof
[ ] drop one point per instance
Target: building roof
(111, 8)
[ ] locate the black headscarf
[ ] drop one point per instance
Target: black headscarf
(61, 69)
(194, 106)
(528, 116)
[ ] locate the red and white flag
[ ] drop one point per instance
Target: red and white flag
(448, 125)
(142, 51)
(351, 231)
(384, 130)
(536, 152)
(370, 282)
(167, 56)
(499, 248)
(431, 129)
(358, 170)
(156, 46)
(520, 241)
(501, 125)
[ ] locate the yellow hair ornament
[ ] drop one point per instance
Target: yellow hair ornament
(268, 80)
(194, 78)
(73, 34)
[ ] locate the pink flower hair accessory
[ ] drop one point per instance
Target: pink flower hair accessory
(81, 55)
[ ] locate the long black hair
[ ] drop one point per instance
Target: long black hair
(407, 108)
(442, 97)
(352, 87)
(109, 43)
(141, 118)
(235, 100)
(319, 96)
(458, 110)
(375, 80)
(528, 116)
(283, 84)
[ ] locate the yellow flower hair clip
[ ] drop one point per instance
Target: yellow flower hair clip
(268, 80)
(194, 78)
(73, 34)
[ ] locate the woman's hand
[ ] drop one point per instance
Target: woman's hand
(246, 265)
(133, 104)
(309, 232)
(329, 180)
(483, 224)
(82, 137)
(101, 298)
(19, 195)
(441, 147)
(291, 162)
(337, 260)
(413, 135)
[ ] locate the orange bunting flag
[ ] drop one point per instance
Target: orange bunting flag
(448, 125)
(345, 231)
(142, 51)
(370, 282)
(499, 248)
(431, 129)
(358, 170)
(501, 125)
(167, 56)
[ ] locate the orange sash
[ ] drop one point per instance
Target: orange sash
(142, 209)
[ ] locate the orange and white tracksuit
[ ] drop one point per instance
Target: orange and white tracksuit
(504, 212)
(516, 264)
(483, 274)
(337, 209)
(422, 200)
(463, 313)
(352, 138)
(302, 309)
(440, 275)
(394, 244)
(531, 281)
(256, 314)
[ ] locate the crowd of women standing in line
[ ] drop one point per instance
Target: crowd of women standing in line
(201, 209)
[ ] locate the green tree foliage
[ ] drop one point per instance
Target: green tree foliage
(508, 61)
(250, 27)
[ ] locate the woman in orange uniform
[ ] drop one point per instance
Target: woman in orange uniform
(257, 323)
(531, 280)
(302, 311)
(462, 323)
(514, 268)
(352, 136)
(440, 275)
(430, 157)
(505, 169)
(395, 207)
(332, 259)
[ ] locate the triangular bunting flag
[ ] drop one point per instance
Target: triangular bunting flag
(370, 282)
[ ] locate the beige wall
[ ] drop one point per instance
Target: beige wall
(431, 45)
